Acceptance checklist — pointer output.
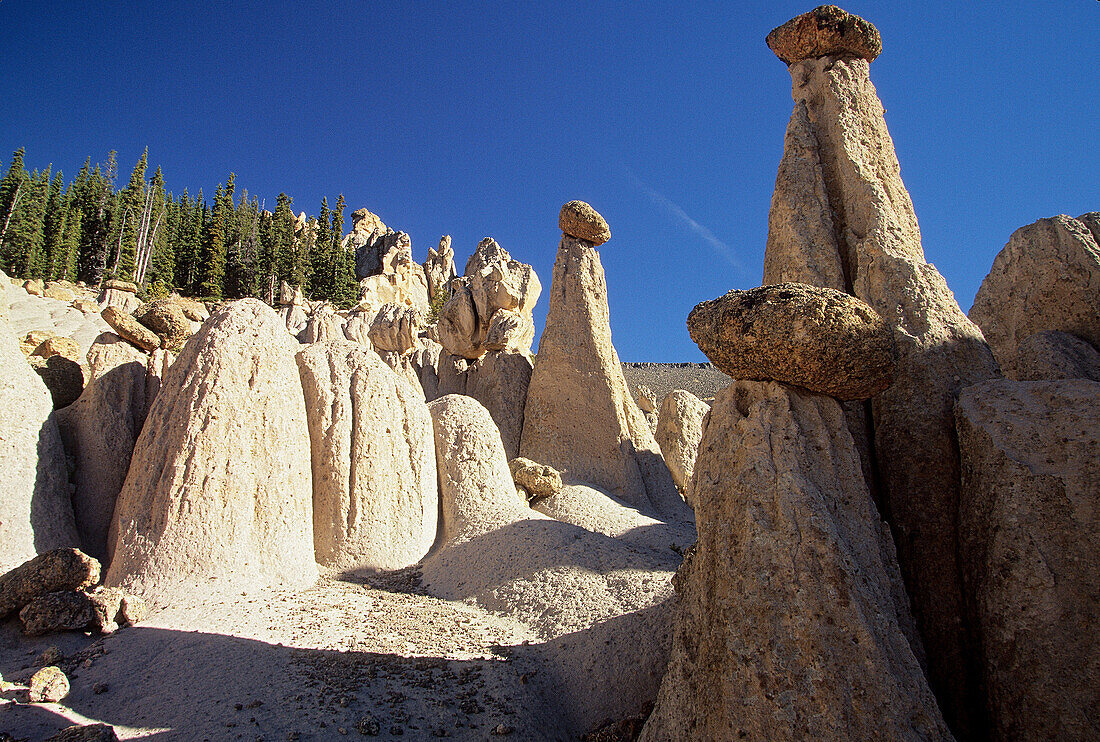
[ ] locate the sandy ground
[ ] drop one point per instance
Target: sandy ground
(359, 657)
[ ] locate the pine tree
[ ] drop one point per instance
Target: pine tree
(53, 227)
(131, 205)
(25, 233)
(70, 245)
(13, 188)
(212, 257)
(160, 228)
(284, 240)
(321, 254)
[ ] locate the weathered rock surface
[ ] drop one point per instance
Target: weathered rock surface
(788, 626)
(396, 328)
(1051, 354)
(99, 431)
(50, 571)
(121, 294)
(440, 268)
(538, 480)
(1029, 533)
(825, 31)
(877, 241)
(490, 308)
(580, 418)
(1046, 278)
(35, 512)
(499, 380)
(679, 430)
(218, 492)
(30, 341)
(166, 318)
(821, 339)
(324, 325)
(578, 219)
(130, 329)
(58, 346)
(48, 685)
(86, 733)
(375, 499)
(384, 266)
(290, 295)
(34, 286)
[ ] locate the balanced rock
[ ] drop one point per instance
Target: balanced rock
(1046, 278)
(167, 319)
(1029, 532)
(537, 479)
(844, 168)
(127, 286)
(50, 571)
(821, 339)
(373, 460)
(218, 492)
(121, 294)
(578, 219)
(48, 685)
(35, 512)
(99, 431)
(792, 622)
(579, 416)
(679, 430)
(128, 328)
(1052, 354)
(825, 31)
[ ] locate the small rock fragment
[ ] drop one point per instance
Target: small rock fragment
(538, 480)
(48, 685)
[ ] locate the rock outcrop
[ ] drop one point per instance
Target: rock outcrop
(490, 308)
(439, 268)
(396, 328)
(120, 294)
(1046, 278)
(792, 623)
(1051, 354)
(820, 339)
(324, 325)
(384, 266)
(1029, 534)
(218, 492)
(35, 512)
(855, 181)
(679, 429)
(166, 318)
(375, 500)
(579, 416)
(99, 431)
(499, 381)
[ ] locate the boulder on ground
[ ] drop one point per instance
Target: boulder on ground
(1052, 354)
(86, 733)
(48, 685)
(193, 309)
(825, 31)
(73, 610)
(129, 329)
(375, 498)
(791, 623)
(1046, 278)
(578, 219)
(59, 292)
(820, 339)
(579, 416)
(218, 491)
(537, 479)
(1029, 532)
(58, 346)
(35, 512)
(50, 571)
(679, 429)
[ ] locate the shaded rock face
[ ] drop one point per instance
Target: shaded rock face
(499, 381)
(99, 431)
(1051, 354)
(490, 308)
(375, 502)
(1046, 278)
(50, 571)
(62, 376)
(825, 31)
(35, 512)
(792, 623)
(1029, 534)
(821, 339)
(386, 271)
(679, 429)
(218, 492)
(579, 417)
(877, 245)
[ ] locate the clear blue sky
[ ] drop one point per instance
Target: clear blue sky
(482, 119)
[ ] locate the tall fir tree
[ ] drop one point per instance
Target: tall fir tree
(13, 189)
(131, 206)
(53, 227)
(212, 257)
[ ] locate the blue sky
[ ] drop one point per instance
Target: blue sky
(481, 119)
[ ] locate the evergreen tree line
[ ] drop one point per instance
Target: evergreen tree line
(88, 231)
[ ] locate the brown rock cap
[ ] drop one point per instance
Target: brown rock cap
(578, 219)
(820, 339)
(121, 286)
(825, 31)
